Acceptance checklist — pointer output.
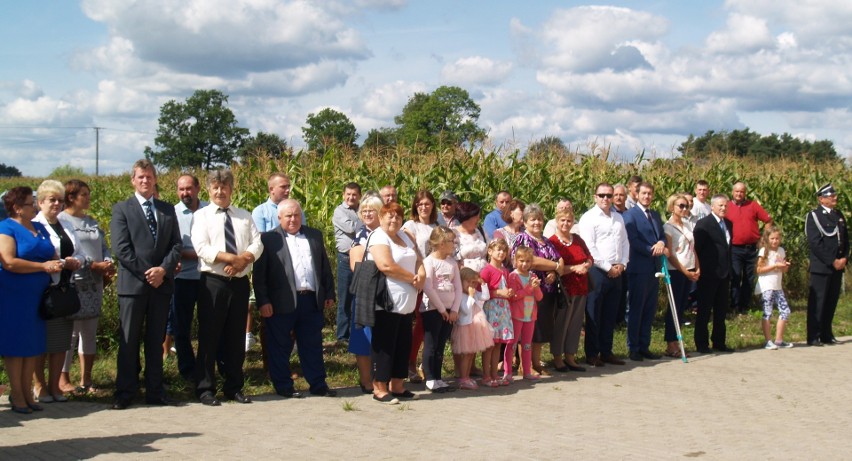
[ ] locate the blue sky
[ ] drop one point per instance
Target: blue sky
(629, 74)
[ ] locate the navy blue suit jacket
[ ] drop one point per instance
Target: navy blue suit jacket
(642, 235)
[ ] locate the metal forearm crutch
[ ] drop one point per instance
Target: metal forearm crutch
(668, 282)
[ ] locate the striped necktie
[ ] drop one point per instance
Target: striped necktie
(149, 216)
(230, 237)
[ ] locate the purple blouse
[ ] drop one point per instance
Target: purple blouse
(542, 249)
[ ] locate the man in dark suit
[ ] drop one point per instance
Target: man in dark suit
(828, 242)
(146, 241)
(293, 284)
(647, 243)
(713, 247)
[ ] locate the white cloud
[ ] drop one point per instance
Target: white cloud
(228, 37)
(476, 70)
(386, 101)
(743, 34)
(591, 38)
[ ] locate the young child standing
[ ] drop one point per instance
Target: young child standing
(526, 289)
(497, 312)
(442, 294)
(771, 266)
(472, 333)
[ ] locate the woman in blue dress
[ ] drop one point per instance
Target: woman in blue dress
(27, 257)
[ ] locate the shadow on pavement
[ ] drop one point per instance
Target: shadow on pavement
(85, 448)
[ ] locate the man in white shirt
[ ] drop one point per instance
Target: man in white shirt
(293, 284)
(701, 204)
(227, 243)
(187, 280)
(605, 235)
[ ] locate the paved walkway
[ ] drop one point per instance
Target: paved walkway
(757, 404)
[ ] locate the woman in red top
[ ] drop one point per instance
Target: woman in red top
(568, 322)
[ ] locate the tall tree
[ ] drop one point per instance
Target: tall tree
(9, 171)
(264, 144)
(328, 128)
(201, 132)
(745, 142)
(547, 145)
(444, 118)
(378, 140)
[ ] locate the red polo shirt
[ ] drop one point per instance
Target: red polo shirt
(745, 217)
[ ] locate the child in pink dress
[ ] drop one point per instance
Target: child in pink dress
(497, 312)
(472, 333)
(527, 292)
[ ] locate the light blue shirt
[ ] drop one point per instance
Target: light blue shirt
(188, 267)
(265, 216)
(492, 222)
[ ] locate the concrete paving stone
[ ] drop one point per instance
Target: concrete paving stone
(755, 404)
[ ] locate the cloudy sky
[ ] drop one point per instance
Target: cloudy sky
(628, 74)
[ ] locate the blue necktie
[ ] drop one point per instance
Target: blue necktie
(149, 216)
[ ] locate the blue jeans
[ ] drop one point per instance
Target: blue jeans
(345, 300)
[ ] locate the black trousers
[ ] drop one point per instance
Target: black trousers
(823, 293)
(222, 312)
(137, 313)
(391, 344)
(436, 332)
(713, 297)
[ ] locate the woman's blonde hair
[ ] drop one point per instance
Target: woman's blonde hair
(50, 186)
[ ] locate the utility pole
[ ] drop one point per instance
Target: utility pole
(97, 147)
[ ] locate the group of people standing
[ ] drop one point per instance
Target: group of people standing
(502, 285)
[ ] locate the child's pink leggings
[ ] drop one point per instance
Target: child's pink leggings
(523, 334)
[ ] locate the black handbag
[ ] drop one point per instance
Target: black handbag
(562, 299)
(59, 300)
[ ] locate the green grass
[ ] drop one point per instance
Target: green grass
(744, 332)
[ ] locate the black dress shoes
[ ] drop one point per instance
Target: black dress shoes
(705, 350)
(325, 392)
(649, 355)
(636, 356)
(815, 343)
(163, 402)
(290, 394)
(208, 399)
(239, 397)
(121, 404)
(724, 349)
(612, 360)
(574, 367)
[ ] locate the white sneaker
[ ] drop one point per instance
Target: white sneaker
(250, 341)
(783, 345)
(770, 345)
(432, 384)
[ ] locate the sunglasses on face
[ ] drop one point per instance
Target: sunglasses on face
(682, 206)
(604, 195)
